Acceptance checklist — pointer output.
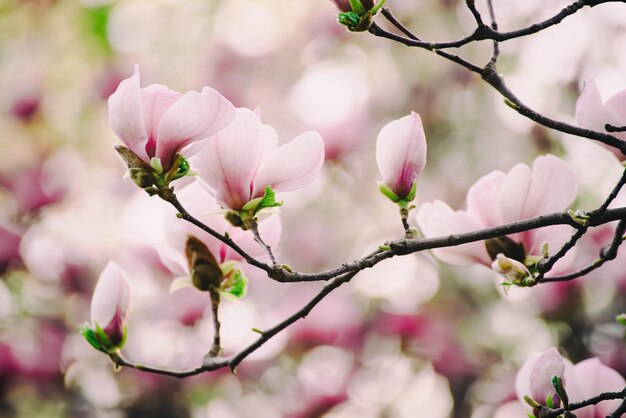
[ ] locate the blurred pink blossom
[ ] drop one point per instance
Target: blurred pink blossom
(111, 302)
(155, 121)
(592, 113)
(401, 153)
(499, 198)
(241, 160)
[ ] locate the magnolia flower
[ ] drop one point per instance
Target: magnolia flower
(110, 307)
(203, 206)
(156, 122)
(592, 113)
(401, 156)
(582, 381)
(499, 198)
(244, 158)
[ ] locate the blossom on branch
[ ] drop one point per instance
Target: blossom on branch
(174, 250)
(582, 381)
(498, 198)
(110, 309)
(401, 156)
(156, 123)
(592, 113)
(241, 161)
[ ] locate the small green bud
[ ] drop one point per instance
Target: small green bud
(621, 318)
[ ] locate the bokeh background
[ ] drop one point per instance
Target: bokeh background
(411, 337)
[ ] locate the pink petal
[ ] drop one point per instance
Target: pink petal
(229, 161)
(549, 364)
(481, 197)
(595, 378)
(156, 100)
(111, 296)
(401, 153)
(553, 188)
(291, 166)
(126, 115)
(617, 106)
(438, 219)
(591, 113)
(195, 116)
(534, 378)
(514, 192)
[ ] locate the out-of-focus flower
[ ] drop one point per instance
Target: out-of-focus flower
(401, 156)
(498, 198)
(110, 309)
(156, 122)
(244, 158)
(592, 113)
(595, 378)
(582, 381)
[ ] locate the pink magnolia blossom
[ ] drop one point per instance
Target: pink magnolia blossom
(401, 153)
(203, 206)
(592, 113)
(582, 381)
(111, 302)
(241, 160)
(155, 121)
(595, 378)
(499, 198)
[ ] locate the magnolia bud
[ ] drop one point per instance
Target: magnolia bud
(506, 246)
(204, 268)
(110, 309)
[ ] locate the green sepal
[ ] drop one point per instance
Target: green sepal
(529, 415)
(180, 168)
(156, 164)
(549, 401)
(412, 193)
(235, 286)
(530, 401)
(254, 206)
(387, 192)
(376, 7)
(348, 19)
(557, 383)
(90, 335)
(357, 7)
(268, 200)
(621, 318)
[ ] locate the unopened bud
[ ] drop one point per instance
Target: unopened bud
(205, 270)
(506, 246)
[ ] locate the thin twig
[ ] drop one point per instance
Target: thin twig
(254, 228)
